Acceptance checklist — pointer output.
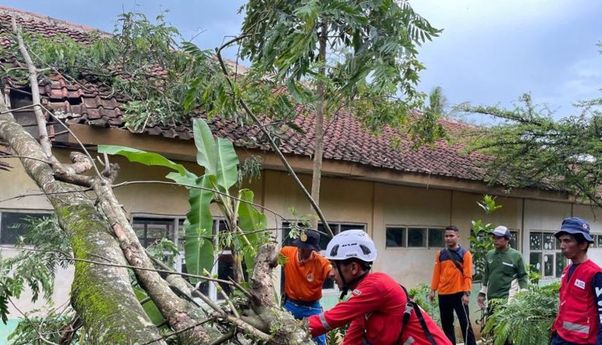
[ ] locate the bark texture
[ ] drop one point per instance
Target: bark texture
(101, 295)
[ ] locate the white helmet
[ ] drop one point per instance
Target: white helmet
(351, 244)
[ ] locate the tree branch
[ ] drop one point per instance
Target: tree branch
(275, 147)
(35, 91)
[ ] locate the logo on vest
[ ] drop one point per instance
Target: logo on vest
(580, 283)
(310, 277)
(356, 292)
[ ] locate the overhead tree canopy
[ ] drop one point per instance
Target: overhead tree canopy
(530, 148)
(360, 56)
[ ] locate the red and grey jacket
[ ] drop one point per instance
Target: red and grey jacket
(577, 319)
(374, 313)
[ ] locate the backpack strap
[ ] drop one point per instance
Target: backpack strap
(452, 257)
(411, 306)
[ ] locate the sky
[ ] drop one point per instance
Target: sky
(489, 53)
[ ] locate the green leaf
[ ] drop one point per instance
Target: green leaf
(252, 223)
(143, 157)
(187, 180)
(198, 246)
(227, 172)
(207, 149)
(149, 307)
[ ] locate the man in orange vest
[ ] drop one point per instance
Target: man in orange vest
(580, 310)
(305, 271)
(452, 280)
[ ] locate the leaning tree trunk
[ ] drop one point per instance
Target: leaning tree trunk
(101, 295)
(316, 177)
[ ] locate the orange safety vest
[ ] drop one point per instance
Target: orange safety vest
(577, 319)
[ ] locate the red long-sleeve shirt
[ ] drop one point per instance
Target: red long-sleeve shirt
(375, 309)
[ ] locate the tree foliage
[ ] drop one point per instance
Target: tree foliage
(142, 62)
(527, 318)
(33, 269)
(368, 61)
(246, 225)
(480, 239)
(530, 148)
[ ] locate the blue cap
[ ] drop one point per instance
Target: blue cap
(309, 239)
(575, 226)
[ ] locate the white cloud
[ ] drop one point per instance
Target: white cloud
(479, 15)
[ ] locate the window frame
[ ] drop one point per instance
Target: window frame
(21, 211)
(178, 221)
(405, 241)
(543, 252)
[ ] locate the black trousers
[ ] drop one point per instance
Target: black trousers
(447, 305)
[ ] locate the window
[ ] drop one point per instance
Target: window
(396, 237)
(514, 239)
(545, 256)
(14, 225)
(324, 239)
(152, 229)
(414, 237)
(597, 241)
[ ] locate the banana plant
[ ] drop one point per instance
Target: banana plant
(246, 224)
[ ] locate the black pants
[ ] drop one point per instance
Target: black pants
(447, 305)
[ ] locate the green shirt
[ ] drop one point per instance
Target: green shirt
(501, 268)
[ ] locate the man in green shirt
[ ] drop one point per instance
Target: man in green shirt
(504, 264)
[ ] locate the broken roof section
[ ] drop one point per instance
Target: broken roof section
(346, 139)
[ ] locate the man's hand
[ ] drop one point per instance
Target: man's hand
(431, 296)
(481, 301)
(465, 299)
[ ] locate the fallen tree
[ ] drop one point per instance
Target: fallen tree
(105, 247)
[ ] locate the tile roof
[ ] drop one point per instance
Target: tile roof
(345, 138)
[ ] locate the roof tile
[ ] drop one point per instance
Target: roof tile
(345, 138)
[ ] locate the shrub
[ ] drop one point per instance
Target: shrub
(526, 319)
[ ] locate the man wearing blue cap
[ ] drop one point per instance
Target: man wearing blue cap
(580, 310)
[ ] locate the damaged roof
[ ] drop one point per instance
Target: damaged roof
(345, 138)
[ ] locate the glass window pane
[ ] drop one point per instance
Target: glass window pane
(549, 242)
(204, 287)
(286, 230)
(535, 261)
(155, 232)
(225, 270)
(324, 238)
(535, 241)
(548, 265)
(151, 230)
(222, 225)
(436, 237)
(181, 234)
(395, 237)
(416, 237)
(514, 239)
(15, 225)
(560, 264)
(345, 227)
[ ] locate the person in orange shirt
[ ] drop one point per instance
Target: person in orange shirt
(452, 280)
(305, 271)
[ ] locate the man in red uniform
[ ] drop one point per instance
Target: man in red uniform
(378, 311)
(579, 319)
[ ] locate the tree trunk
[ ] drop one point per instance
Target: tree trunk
(319, 125)
(101, 295)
